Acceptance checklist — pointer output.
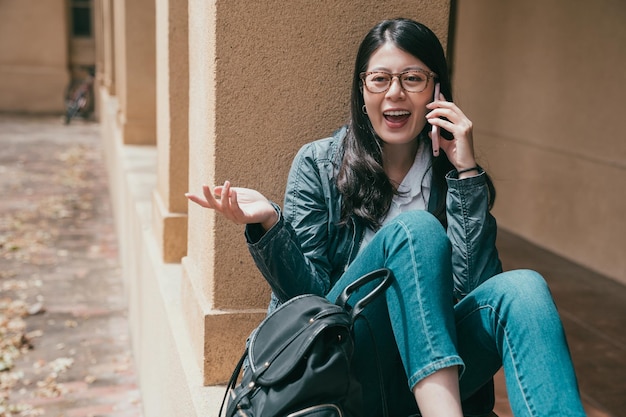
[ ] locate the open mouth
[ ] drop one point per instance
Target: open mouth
(396, 116)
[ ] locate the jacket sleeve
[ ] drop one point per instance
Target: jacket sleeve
(472, 232)
(292, 255)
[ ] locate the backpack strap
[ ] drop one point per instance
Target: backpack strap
(385, 274)
(233, 380)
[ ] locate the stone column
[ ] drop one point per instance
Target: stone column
(107, 35)
(169, 202)
(98, 18)
(265, 78)
(135, 70)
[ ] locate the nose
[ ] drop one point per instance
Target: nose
(395, 88)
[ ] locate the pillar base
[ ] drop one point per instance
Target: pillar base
(218, 336)
(170, 230)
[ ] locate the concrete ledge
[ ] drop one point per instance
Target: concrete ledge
(170, 380)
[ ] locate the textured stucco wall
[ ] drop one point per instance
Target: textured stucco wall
(267, 77)
(33, 56)
(544, 83)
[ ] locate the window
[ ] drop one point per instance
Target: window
(81, 18)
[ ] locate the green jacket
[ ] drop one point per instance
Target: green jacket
(307, 250)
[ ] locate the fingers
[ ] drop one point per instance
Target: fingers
(204, 202)
(448, 116)
(226, 203)
(209, 195)
(239, 205)
(198, 200)
(224, 197)
(209, 200)
(444, 106)
(445, 109)
(237, 212)
(229, 205)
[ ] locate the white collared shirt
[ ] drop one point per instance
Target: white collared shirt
(414, 191)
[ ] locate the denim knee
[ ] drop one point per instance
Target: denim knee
(521, 293)
(418, 226)
(523, 285)
(417, 237)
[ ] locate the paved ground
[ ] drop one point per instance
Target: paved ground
(64, 342)
(65, 347)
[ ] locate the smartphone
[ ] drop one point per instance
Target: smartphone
(434, 133)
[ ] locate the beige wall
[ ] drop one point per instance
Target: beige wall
(33, 55)
(544, 84)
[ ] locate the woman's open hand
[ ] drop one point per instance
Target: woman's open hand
(240, 205)
(460, 150)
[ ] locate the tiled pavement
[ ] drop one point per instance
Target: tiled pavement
(58, 259)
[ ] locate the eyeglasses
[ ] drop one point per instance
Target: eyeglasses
(413, 81)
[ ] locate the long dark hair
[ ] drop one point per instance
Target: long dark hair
(365, 187)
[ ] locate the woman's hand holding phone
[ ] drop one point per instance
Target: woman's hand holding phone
(450, 123)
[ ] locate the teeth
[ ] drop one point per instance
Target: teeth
(396, 113)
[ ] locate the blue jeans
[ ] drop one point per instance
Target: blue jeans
(416, 330)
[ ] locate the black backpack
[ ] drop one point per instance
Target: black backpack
(299, 359)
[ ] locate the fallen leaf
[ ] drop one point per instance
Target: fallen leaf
(71, 323)
(61, 364)
(36, 308)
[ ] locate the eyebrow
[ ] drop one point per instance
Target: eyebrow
(384, 69)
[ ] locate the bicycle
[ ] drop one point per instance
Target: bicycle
(79, 98)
